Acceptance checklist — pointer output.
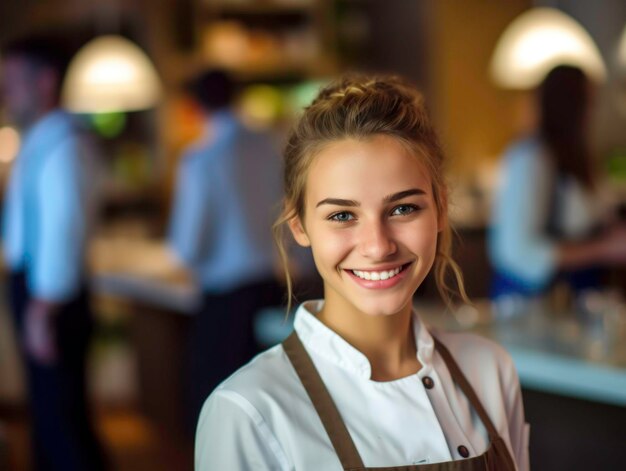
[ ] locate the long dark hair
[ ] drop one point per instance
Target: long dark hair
(564, 106)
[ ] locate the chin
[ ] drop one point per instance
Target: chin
(382, 308)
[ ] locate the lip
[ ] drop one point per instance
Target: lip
(380, 284)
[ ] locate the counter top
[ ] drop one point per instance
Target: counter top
(143, 271)
(556, 353)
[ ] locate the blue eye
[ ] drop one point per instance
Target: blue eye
(342, 216)
(403, 210)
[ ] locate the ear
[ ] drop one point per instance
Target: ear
(298, 232)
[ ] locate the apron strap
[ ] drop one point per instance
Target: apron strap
(460, 379)
(500, 459)
(323, 403)
(498, 456)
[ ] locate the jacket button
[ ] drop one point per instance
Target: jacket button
(428, 382)
(463, 451)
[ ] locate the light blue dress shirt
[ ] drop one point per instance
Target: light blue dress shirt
(227, 196)
(49, 207)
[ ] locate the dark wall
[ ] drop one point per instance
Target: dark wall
(397, 40)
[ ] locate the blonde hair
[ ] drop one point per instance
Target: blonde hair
(359, 107)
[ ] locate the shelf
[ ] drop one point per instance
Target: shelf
(255, 8)
(268, 40)
(281, 70)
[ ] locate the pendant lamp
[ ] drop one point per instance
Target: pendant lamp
(620, 88)
(110, 73)
(621, 52)
(539, 40)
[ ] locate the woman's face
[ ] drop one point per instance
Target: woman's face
(371, 222)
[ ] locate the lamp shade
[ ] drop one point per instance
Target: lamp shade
(621, 51)
(108, 74)
(539, 40)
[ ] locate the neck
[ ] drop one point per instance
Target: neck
(387, 341)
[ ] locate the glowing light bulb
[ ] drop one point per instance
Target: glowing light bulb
(110, 74)
(539, 40)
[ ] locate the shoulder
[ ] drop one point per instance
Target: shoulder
(525, 162)
(468, 343)
(239, 421)
(526, 154)
(193, 154)
(252, 406)
(195, 161)
(480, 358)
(263, 383)
(259, 140)
(260, 369)
(64, 155)
(525, 146)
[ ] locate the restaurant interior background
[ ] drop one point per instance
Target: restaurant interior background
(573, 372)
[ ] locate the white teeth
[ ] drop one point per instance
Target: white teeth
(377, 275)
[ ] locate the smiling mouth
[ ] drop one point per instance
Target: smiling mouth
(372, 275)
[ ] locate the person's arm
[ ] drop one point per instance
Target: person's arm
(518, 243)
(190, 218)
(232, 435)
(61, 240)
(606, 249)
(61, 207)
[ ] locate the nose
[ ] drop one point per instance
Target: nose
(376, 241)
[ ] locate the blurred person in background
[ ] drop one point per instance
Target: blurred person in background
(226, 197)
(48, 212)
(548, 222)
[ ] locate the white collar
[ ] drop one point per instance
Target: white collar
(320, 339)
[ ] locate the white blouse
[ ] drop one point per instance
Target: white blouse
(518, 242)
(261, 418)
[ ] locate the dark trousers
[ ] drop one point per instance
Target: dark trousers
(62, 433)
(222, 339)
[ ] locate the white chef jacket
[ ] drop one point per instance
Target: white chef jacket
(261, 418)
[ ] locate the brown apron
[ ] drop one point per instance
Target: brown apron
(496, 458)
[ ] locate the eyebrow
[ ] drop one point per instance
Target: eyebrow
(403, 194)
(387, 199)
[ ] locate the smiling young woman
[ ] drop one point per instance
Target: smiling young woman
(362, 381)
(372, 224)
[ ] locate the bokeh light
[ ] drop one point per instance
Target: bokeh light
(9, 144)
